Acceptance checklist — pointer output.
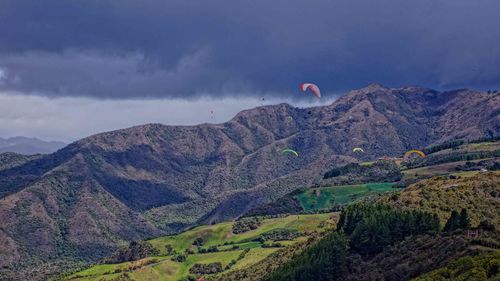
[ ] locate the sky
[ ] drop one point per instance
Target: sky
(69, 69)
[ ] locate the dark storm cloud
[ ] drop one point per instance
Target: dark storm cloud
(136, 49)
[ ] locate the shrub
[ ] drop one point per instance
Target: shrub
(210, 268)
(136, 250)
(246, 224)
(179, 258)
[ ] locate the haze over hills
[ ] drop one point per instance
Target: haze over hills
(29, 146)
(84, 199)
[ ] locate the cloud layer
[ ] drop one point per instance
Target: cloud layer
(187, 49)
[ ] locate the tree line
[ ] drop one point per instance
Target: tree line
(364, 229)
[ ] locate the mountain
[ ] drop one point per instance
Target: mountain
(29, 146)
(85, 199)
(10, 159)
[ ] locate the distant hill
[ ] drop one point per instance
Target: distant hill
(10, 160)
(29, 146)
(82, 201)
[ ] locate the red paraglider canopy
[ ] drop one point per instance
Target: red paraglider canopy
(312, 87)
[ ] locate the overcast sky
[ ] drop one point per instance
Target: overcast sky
(73, 68)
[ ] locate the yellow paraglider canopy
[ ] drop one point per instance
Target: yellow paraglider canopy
(358, 149)
(414, 151)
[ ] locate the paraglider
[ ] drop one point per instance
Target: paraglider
(414, 151)
(358, 149)
(288, 150)
(312, 87)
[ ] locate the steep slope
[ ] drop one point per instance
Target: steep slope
(138, 182)
(405, 259)
(478, 193)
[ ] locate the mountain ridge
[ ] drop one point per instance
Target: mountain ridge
(153, 179)
(29, 146)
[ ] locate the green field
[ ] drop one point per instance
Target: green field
(328, 197)
(219, 235)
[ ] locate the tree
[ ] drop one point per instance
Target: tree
(198, 242)
(464, 220)
(324, 261)
(136, 250)
(453, 222)
(169, 249)
(375, 226)
(486, 225)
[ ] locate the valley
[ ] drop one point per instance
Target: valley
(440, 190)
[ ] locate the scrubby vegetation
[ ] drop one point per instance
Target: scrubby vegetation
(441, 195)
(477, 268)
(10, 160)
(210, 268)
(490, 165)
(354, 173)
(453, 157)
(457, 143)
(285, 205)
(281, 234)
(246, 224)
(134, 251)
(321, 262)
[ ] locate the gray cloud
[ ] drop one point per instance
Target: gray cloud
(151, 49)
(113, 76)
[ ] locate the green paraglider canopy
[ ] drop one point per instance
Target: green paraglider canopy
(288, 150)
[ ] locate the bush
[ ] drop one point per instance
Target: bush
(136, 250)
(179, 258)
(210, 268)
(281, 234)
(246, 224)
(198, 242)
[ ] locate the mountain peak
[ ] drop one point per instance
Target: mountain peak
(375, 86)
(372, 87)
